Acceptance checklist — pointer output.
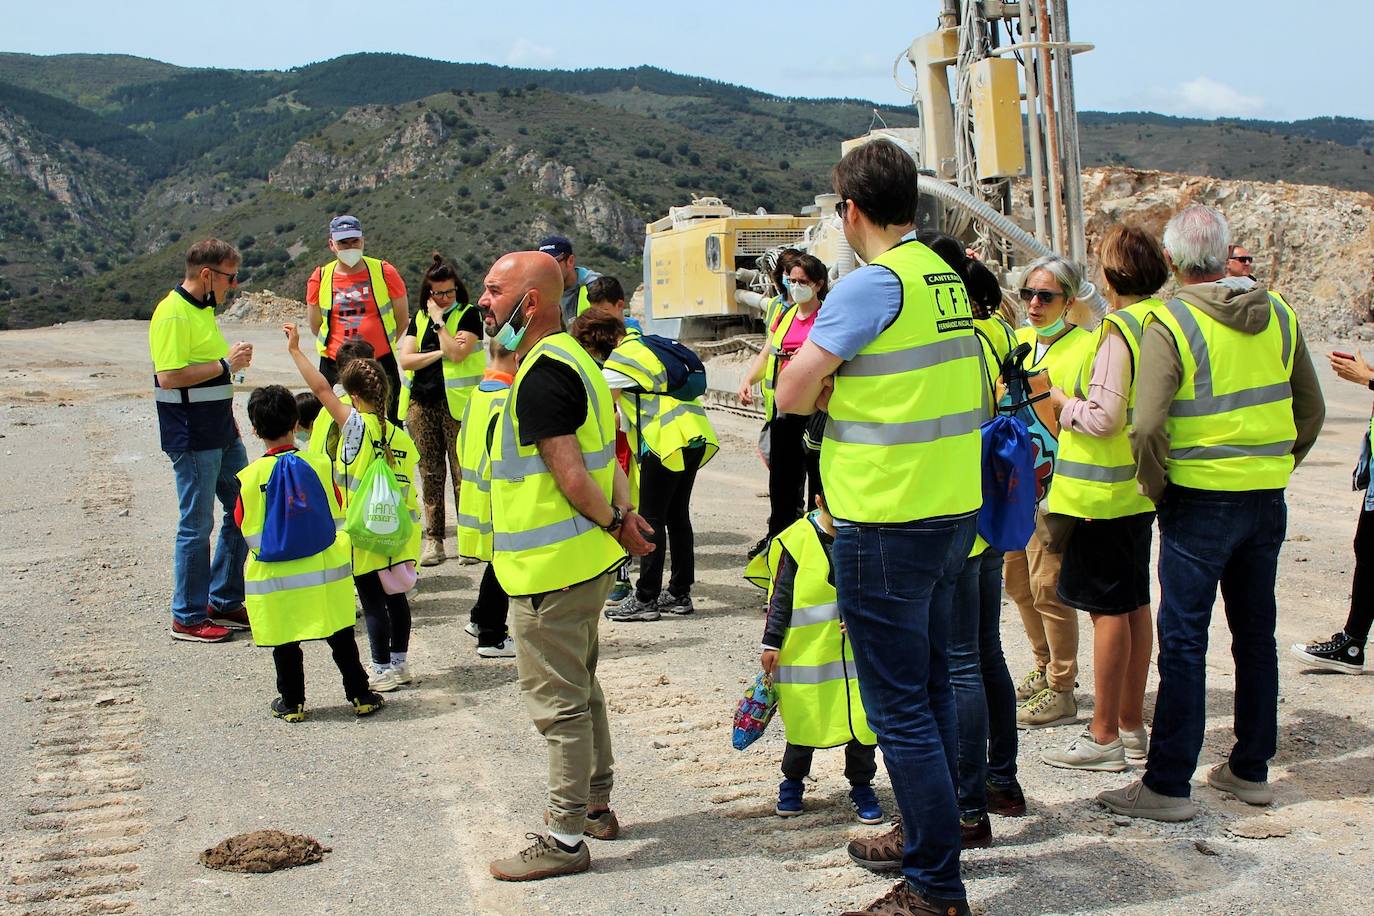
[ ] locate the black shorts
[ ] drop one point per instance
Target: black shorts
(1106, 565)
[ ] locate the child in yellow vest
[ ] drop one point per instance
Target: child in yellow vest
(365, 434)
(290, 601)
(808, 655)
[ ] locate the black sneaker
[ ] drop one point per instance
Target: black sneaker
(1339, 653)
(668, 603)
(758, 548)
(367, 704)
(288, 713)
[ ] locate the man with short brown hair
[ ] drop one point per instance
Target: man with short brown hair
(193, 391)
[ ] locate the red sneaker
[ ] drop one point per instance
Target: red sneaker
(205, 631)
(236, 619)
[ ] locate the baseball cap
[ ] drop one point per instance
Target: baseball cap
(556, 246)
(345, 227)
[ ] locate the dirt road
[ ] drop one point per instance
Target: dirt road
(128, 753)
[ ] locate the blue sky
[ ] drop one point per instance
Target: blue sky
(1204, 58)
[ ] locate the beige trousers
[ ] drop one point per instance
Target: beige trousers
(1032, 575)
(556, 638)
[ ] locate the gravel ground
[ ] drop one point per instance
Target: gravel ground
(129, 753)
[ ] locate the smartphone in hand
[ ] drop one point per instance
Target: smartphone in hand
(1342, 354)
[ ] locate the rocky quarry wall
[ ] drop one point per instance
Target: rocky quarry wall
(1313, 244)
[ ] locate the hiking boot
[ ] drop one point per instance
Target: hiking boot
(1252, 793)
(381, 679)
(1047, 708)
(288, 713)
(903, 901)
(1031, 684)
(1139, 800)
(544, 858)
(205, 631)
(866, 806)
(433, 553)
(975, 832)
(504, 649)
(1339, 653)
(632, 609)
(1137, 745)
(668, 603)
(603, 825)
(618, 593)
(1083, 753)
(879, 853)
(236, 619)
(1005, 801)
(366, 704)
(789, 798)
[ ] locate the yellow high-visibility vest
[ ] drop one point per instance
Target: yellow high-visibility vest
(784, 314)
(460, 378)
(293, 600)
(902, 443)
(405, 458)
(1063, 359)
(657, 422)
(1095, 477)
(818, 687)
(380, 295)
(1231, 423)
(474, 461)
(540, 541)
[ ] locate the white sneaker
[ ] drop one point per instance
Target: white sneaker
(401, 671)
(382, 679)
(1137, 744)
(1083, 753)
(471, 629)
(505, 650)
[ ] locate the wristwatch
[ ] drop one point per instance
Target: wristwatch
(617, 518)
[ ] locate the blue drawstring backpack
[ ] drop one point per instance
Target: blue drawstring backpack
(1007, 517)
(297, 519)
(686, 374)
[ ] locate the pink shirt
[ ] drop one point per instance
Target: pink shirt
(799, 330)
(1103, 412)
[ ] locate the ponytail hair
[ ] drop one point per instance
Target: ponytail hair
(366, 381)
(440, 270)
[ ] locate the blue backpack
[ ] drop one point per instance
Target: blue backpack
(297, 521)
(686, 374)
(1007, 517)
(1023, 402)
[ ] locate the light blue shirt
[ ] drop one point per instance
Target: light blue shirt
(859, 308)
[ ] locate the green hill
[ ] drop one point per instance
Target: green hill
(110, 164)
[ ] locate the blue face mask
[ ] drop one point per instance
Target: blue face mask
(511, 333)
(1053, 328)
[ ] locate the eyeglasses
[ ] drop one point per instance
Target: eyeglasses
(1244, 259)
(1047, 296)
(233, 277)
(840, 208)
(444, 293)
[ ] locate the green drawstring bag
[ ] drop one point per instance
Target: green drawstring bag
(377, 519)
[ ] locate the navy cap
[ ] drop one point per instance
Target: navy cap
(345, 227)
(556, 246)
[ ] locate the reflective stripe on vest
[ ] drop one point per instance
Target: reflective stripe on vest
(193, 395)
(297, 581)
(1231, 424)
(541, 543)
(380, 294)
(900, 397)
(1095, 477)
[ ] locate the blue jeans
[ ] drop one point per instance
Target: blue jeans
(202, 477)
(1206, 538)
(983, 691)
(896, 587)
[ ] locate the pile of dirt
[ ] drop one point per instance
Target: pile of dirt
(263, 851)
(265, 307)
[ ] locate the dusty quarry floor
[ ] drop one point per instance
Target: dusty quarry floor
(127, 753)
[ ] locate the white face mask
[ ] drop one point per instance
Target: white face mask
(802, 293)
(349, 257)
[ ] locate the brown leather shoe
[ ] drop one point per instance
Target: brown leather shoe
(903, 901)
(1006, 801)
(879, 853)
(975, 834)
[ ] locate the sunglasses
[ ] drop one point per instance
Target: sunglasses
(840, 208)
(1244, 259)
(233, 277)
(1044, 295)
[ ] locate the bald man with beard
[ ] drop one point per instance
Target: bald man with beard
(562, 523)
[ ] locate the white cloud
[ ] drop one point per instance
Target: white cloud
(525, 53)
(1208, 98)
